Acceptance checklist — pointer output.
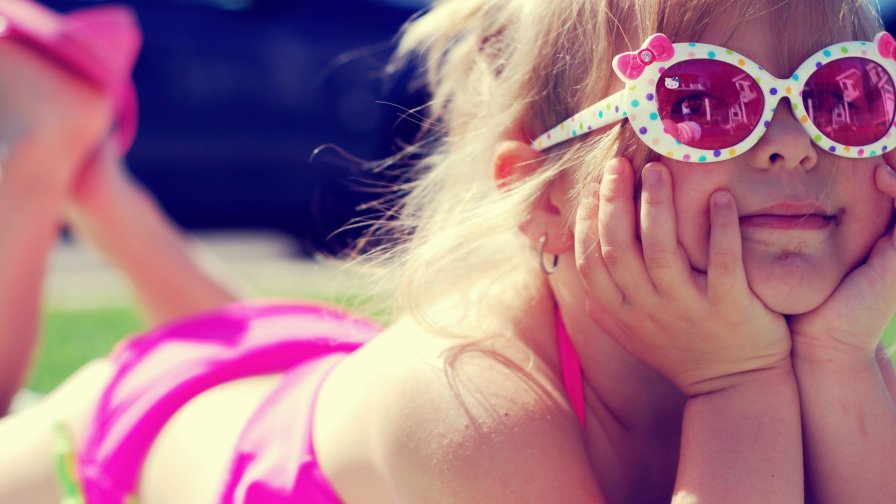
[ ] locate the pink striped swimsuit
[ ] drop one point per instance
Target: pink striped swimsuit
(274, 461)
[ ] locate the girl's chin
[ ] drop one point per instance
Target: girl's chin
(790, 306)
(791, 285)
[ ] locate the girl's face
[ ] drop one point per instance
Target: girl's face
(807, 217)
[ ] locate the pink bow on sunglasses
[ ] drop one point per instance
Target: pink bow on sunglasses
(886, 46)
(657, 48)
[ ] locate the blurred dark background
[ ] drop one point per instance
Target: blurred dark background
(236, 95)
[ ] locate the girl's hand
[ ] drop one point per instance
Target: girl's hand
(704, 332)
(851, 321)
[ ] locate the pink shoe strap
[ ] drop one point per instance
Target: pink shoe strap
(100, 44)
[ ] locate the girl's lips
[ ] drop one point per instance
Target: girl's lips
(790, 215)
(807, 222)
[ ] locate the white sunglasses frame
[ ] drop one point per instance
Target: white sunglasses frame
(637, 103)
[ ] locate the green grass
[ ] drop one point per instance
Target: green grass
(73, 337)
(889, 337)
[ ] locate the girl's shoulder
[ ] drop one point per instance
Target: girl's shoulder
(417, 417)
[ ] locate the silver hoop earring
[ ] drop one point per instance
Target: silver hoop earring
(546, 270)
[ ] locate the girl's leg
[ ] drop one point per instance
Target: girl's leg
(28, 456)
(28, 228)
(50, 122)
(169, 275)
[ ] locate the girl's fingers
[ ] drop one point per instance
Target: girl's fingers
(725, 271)
(885, 178)
(663, 256)
(616, 228)
(589, 261)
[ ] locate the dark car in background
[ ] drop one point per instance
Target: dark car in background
(236, 95)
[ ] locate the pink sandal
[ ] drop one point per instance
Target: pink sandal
(99, 44)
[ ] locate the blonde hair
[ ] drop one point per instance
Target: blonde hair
(497, 68)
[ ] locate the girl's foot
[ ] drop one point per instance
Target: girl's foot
(49, 118)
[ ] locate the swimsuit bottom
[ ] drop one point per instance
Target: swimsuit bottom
(157, 373)
(274, 461)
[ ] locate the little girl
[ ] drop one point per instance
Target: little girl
(648, 258)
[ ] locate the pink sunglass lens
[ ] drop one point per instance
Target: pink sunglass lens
(708, 104)
(850, 100)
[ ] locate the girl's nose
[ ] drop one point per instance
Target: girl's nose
(785, 143)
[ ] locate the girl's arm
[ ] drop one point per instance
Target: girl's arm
(124, 222)
(849, 417)
(742, 443)
(849, 424)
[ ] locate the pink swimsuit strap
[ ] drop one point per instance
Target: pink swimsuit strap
(98, 43)
(274, 461)
(571, 370)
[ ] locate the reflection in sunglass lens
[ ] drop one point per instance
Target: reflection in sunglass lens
(708, 104)
(850, 100)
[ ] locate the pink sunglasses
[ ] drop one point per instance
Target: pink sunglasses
(703, 103)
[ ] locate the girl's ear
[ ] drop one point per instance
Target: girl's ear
(514, 161)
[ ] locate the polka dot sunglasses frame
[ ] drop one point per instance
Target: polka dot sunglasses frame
(703, 103)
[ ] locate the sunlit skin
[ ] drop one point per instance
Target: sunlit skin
(793, 263)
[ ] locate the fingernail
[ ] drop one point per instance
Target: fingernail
(611, 167)
(721, 199)
(889, 170)
(614, 167)
(651, 177)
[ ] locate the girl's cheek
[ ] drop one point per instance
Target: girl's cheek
(696, 245)
(692, 186)
(692, 221)
(860, 179)
(692, 225)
